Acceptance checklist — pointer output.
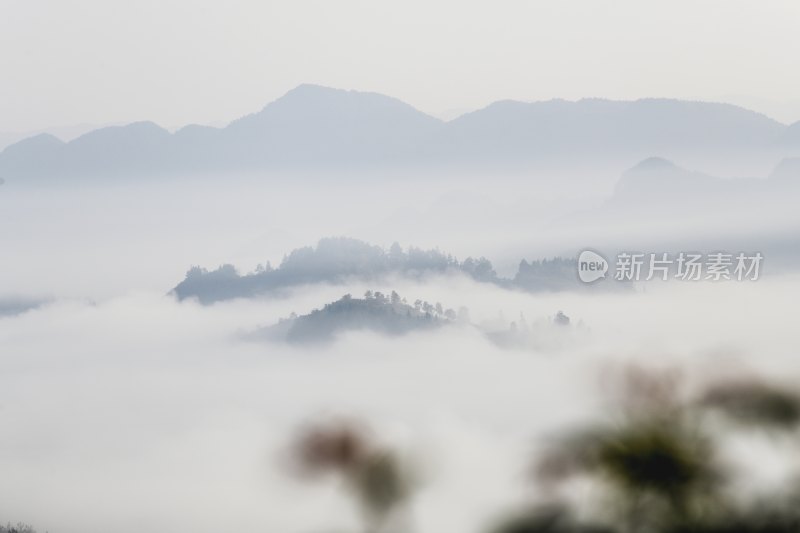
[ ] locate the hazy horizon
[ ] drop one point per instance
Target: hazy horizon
(69, 132)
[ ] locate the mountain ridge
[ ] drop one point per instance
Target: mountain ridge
(319, 127)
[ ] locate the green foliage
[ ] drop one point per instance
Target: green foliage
(657, 460)
(375, 312)
(754, 403)
(663, 459)
(380, 483)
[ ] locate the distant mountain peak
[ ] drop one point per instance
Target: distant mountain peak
(134, 130)
(308, 90)
(653, 163)
(45, 137)
(309, 93)
(335, 108)
(42, 140)
(315, 87)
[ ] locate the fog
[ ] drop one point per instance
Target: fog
(146, 235)
(123, 407)
(139, 411)
(87, 240)
(355, 267)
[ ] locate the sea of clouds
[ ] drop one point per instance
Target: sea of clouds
(122, 409)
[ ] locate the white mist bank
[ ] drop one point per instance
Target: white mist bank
(141, 412)
(103, 240)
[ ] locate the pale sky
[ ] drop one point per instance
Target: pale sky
(67, 62)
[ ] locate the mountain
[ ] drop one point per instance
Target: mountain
(135, 149)
(791, 137)
(36, 156)
(657, 180)
(12, 306)
(389, 315)
(314, 127)
(596, 126)
(392, 315)
(334, 260)
(309, 127)
(72, 131)
(341, 260)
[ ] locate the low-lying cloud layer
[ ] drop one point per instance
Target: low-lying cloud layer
(142, 412)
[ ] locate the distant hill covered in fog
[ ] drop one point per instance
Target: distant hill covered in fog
(339, 260)
(313, 127)
(385, 314)
(334, 260)
(390, 314)
(659, 180)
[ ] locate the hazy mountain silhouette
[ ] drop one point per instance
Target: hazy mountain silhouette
(310, 126)
(11, 306)
(318, 127)
(602, 129)
(386, 314)
(390, 314)
(37, 156)
(791, 136)
(140, 147)
(334, 260)
(340, 260)
(659, 180)
(314, 125)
